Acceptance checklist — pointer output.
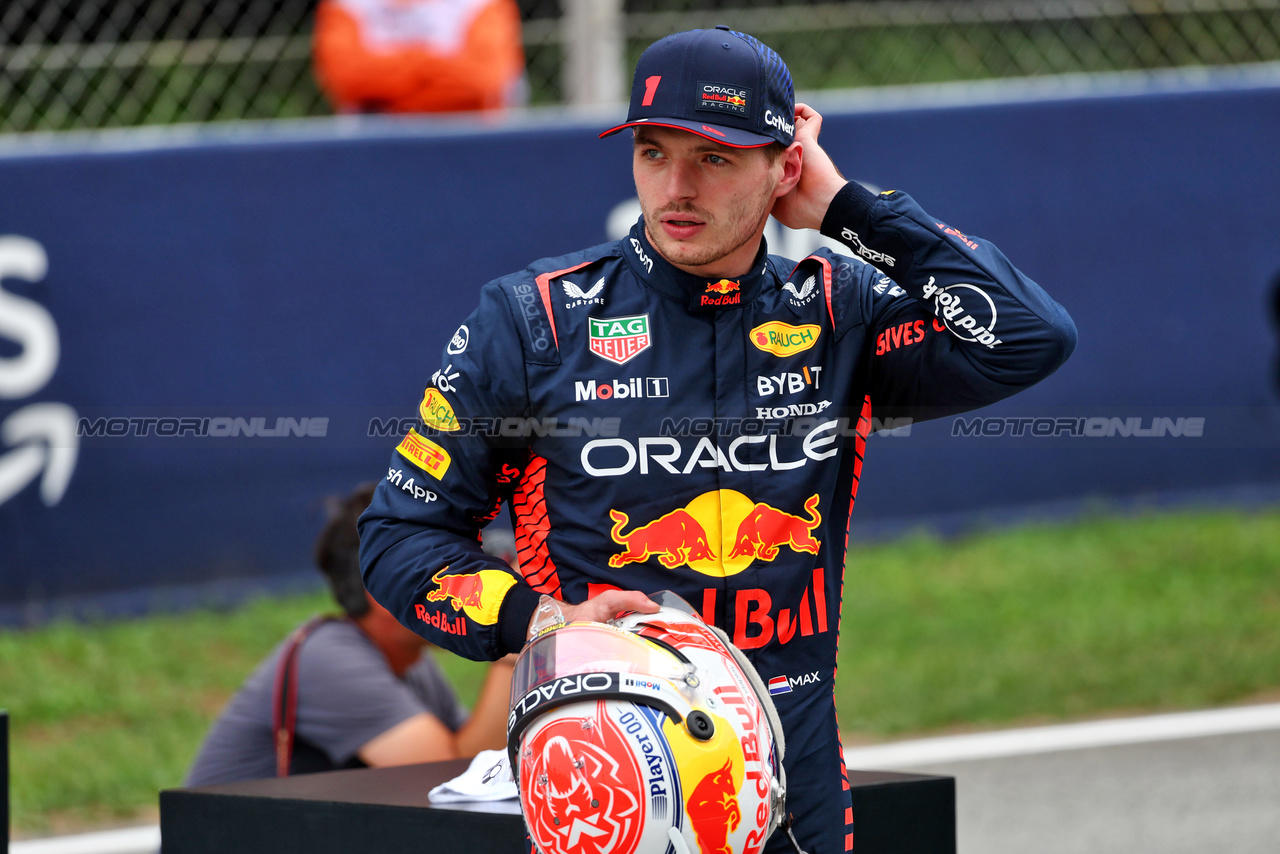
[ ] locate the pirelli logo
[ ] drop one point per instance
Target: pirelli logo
(425, 454)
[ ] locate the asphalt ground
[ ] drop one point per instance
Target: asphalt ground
(1216, 794)
(1167, 784)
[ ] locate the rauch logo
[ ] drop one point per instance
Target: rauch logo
(783, 339)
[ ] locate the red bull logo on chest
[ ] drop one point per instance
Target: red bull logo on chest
(727, 293)
(718, 533)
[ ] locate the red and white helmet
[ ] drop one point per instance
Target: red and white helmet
(651, 734)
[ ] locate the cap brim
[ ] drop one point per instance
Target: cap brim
(732, 137)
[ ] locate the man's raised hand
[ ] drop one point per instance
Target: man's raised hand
(820, 180)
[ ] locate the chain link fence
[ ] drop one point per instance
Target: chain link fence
(70, 64)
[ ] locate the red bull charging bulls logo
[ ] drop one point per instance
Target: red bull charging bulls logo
(715, 780)
(479, 594)
(713, 810)
(718, 533)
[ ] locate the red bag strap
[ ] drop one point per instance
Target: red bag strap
(285, 694)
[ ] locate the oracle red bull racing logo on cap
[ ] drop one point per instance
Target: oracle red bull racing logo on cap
(619, 339)
(718, 533)
(582, 787)
(722, 98)
(478, 594)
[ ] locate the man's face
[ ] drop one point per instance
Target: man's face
(704, 204)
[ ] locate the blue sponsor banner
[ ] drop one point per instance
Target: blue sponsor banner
(202, 336)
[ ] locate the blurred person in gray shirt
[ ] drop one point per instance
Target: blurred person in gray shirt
(350, 692)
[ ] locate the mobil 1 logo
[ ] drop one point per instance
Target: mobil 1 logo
(635, 387)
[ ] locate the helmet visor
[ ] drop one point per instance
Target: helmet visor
(589, 648)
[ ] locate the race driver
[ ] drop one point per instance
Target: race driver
(680, 410)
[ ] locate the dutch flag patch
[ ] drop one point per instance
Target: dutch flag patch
(779, 685)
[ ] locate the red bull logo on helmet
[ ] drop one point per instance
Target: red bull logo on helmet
(718, 533)
(713, 810)
(712, 776)
(478, 594)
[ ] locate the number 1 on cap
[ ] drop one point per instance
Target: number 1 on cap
(650, 86)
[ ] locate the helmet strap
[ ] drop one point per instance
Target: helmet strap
(786, 825)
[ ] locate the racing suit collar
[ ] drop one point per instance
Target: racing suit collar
(696, 292)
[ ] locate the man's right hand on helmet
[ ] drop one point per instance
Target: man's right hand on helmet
(600, 609)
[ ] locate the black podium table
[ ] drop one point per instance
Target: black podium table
(386, 811)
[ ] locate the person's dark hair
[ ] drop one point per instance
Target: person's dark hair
(338, 551)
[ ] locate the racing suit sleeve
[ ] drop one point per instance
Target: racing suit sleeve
(420, 546)
(952, 325)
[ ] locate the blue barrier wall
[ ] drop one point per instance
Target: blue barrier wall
(315, 273)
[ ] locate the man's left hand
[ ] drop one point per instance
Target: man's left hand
(820, 180)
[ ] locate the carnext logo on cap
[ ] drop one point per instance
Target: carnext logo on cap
(722, 98)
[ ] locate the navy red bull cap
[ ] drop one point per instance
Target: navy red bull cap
(720, 84)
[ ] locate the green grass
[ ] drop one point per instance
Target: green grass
(1043, 623)
(1052, 623)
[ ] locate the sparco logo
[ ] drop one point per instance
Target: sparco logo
(966, 311)
(851, 237)
(644, 259)
(535, 322)
(562, 688)
(620, 389)
(779, 122)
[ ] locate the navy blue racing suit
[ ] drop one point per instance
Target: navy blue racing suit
(652, 430)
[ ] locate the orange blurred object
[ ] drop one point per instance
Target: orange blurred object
(418, 56)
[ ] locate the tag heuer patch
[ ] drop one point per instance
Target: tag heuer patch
(722, 98)
(619, 339)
